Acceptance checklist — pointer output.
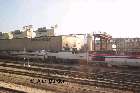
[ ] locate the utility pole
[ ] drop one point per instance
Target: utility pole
(86, 53)
(24, 56)
(28, 63)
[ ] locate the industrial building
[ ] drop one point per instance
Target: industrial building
(26, 33)
(8, 35)
(126, 44)
(2, 35)
(44, 32)
(99, 42)
(45, 39)
(51, 43)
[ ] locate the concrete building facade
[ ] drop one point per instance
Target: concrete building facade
(89, 42)
(8, 35)
(40, 32)
(53, 43)
(27, 32)
(126, 44)
(1, 35)
(73, 41)
(18, 44)
(18, 34)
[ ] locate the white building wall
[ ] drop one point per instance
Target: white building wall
(72, 42)
(89, 42)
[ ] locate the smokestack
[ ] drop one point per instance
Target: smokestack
(89, 42)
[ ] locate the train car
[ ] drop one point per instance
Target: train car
(55, 57)
(107, 58)
(130, 59)
(123, 61)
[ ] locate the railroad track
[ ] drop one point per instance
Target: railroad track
(57, 66)
(7, 90)
(98, 83)
(65, 67)
(124, 81)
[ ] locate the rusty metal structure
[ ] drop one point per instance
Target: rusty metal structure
(104, 37)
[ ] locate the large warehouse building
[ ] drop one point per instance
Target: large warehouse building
(52, 43)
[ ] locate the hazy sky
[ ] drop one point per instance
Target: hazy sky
(120, 18)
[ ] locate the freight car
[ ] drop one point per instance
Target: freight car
(86, 57)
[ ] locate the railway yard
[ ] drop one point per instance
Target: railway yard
(69, 46)
(70, 79)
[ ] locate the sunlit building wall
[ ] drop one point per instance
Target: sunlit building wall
(89, 42)
(72, 42)
(51, 43)
(26, 32)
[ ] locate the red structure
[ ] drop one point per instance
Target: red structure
(103, 37)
